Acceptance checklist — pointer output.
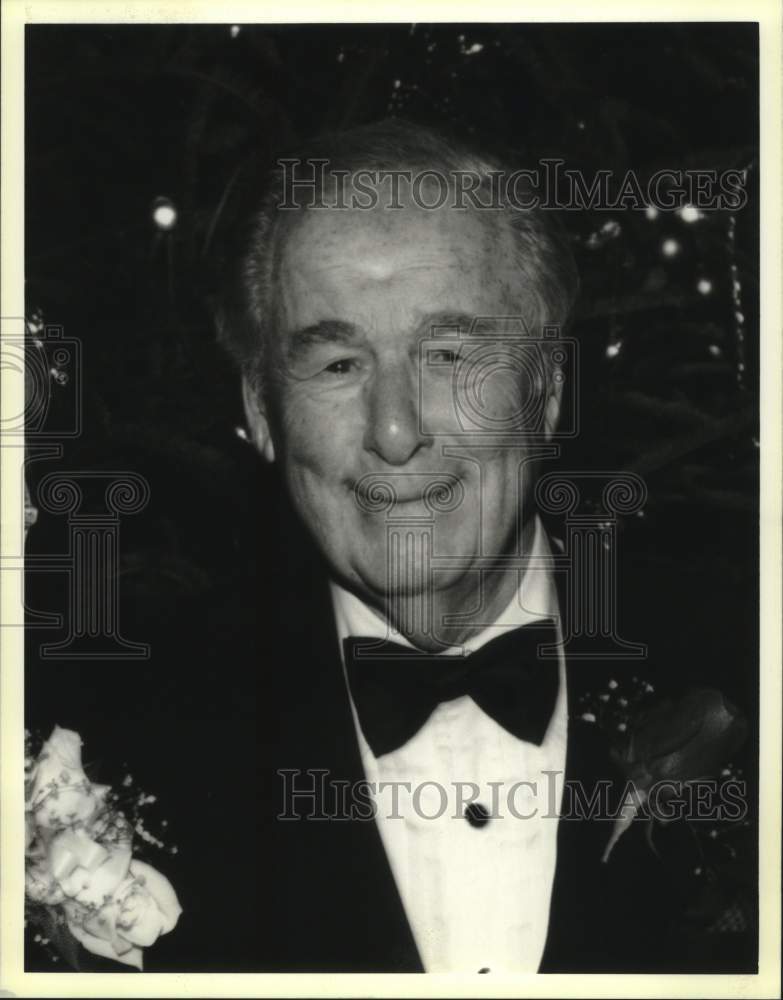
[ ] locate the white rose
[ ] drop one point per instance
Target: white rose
(60, 793)
(87, 871)
(143, 907)
(150, 906)
(96, 931)
(78, 856)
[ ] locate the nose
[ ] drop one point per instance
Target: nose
(393, 432)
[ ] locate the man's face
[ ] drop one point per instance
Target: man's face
(354, 396)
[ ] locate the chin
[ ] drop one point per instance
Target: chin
(414, 578)
(372, 580)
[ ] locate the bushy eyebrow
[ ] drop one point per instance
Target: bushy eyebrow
(326, 331)
(336, 331)
(442, 323)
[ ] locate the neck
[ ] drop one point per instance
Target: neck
(487, 591)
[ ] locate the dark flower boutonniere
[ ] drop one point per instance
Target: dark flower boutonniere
(664, 748)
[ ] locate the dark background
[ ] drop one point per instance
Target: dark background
(119, 117)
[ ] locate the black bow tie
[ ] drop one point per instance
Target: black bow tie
(396, 689)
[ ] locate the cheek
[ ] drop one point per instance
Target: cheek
(497, 484)
(317, 441)
(515, 389)
(497, 393)
(503, 396)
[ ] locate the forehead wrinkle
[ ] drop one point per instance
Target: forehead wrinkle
(486, 256)
(381, 271)
(308, 229)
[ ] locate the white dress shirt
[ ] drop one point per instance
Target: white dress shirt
(477, 897)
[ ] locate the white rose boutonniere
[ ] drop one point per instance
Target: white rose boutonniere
(81, 879)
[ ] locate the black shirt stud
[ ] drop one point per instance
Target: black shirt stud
(476, 815)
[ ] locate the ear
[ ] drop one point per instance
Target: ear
(553, 401)
(257, 422)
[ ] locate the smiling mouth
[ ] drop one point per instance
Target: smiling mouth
(380, 492)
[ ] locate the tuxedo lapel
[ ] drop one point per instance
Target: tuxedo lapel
(594, 924)
(333, 877)
(604, 915)
(580, 920)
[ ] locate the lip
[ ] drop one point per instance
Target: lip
(384, 491)
(368, 497)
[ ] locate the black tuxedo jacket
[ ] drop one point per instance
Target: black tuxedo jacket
(248, 683)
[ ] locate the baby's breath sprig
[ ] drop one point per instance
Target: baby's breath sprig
(614, 708)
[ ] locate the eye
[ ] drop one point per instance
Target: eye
(343, 366)
(443, 356)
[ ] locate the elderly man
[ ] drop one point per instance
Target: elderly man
(357, 328)
(374, 732)
(390, 335)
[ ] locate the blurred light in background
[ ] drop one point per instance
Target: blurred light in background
(670, 248)
(690, 214)
(164, 215)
